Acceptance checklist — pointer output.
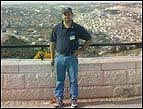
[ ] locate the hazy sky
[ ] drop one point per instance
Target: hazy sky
(3, 2)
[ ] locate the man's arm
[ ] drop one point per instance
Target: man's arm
(52, 51)
(86, 44)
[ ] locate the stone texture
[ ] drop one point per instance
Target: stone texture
(9, 68)
(127, 90)
(28, 94)
(98, 77)
(2, 80)
(134, 90)
(90, 78)
(104, 91)
(134, 76)
(89, 67)
(95, 91)
(138, 89)
(139, 64)
(118, 65)
(35, 66)
(29, 68)
(117, 91)
(13, 81)
(113, 77)
(46, 93)
(39, 80)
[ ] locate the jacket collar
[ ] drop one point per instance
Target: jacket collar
(63, 26)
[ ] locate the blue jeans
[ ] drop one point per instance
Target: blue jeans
(63, 64)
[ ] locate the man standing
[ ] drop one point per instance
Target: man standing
(65, 40)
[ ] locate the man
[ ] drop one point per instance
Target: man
(64, 39)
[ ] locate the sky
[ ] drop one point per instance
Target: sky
(9, 2)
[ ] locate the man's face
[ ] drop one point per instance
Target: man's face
(67, 17)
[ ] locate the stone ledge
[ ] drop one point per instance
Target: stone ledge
(98, 77)
(133, 102)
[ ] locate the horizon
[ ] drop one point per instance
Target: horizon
(53, 2)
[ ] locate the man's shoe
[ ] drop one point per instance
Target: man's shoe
(59, 103)
(74, 103)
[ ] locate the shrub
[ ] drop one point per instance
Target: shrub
(42, 55)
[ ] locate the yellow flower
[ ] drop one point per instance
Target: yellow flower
(42, 55)
(47, 55)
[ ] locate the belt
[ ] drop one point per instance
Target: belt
(67, 54)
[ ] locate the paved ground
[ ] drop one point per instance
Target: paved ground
(132, 102)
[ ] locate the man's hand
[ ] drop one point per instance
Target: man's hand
(52, 66)
(77, 52)
(52, 62)
(52, 51)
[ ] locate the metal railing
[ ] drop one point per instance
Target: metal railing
(29, 51)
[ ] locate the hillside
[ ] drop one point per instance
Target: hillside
(114, 22)
(106, 22)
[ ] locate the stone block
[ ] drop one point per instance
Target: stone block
(46, 93)
(90, 78)
(117, 91)
(89, 67)
(13, 81)
(95, 91)
(45, 69)
(2, 80)
(118, 65)
(114, 77)
(29, 68)
(134, 76)
(127, 90)
(138, 88)
(139, 64)
(104, 91)
(9, 68)
(28, 94)
(38, 80)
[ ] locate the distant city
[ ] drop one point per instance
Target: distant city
(109, 21)
(31, 23)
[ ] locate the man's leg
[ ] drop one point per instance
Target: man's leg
(60, 70)
(73, 78)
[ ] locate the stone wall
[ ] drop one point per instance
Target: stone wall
(98, 77)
